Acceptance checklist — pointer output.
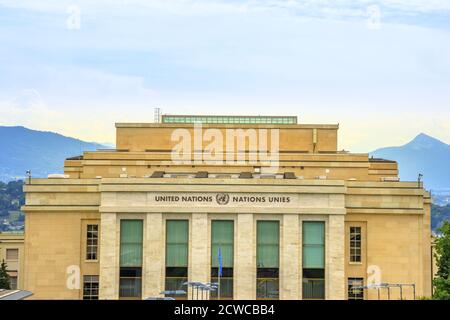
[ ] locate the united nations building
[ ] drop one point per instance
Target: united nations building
(264, 206)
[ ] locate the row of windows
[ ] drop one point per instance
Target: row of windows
(222, 253)
(222, 244)
(269, 287)
(92, 244)
(229, 120)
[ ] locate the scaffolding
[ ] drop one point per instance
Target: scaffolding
(388, 287)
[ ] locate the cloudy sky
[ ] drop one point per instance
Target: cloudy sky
(381, 69)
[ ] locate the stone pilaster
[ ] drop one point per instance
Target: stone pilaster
(289, 258)
(153, 280)
(199, 267)
(109, 259)
(245, 258)
(335, 258)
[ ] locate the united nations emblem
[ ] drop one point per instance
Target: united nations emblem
(222, 198)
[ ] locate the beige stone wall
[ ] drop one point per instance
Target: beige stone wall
(394, 247)
(245, 258)
(53, 242)
(15, 267)
(154, 257)
(290, 260)
(395, 219)
(307, 150)
(200, 265)
(426, 251)
(334, 265)
(338, 166)
(140, 137)
(109, 257)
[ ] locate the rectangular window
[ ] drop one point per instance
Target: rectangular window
(313, 260)
(222, 237)
(229, 120)
(355, 244)
(354, 292)
(13, 282)
(177, 244)
(91, 241)
(267, 259)
(12, 254)
(90, 288)
(131, 235)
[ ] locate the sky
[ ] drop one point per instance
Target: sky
(381, 69)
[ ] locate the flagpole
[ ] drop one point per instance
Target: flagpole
(219, 256)
(218, 288)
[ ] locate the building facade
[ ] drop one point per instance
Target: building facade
(299, 221)
(12, 253)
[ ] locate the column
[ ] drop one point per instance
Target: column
(153, 256)
(245, 258)
(290, 258)
(335, 258)
(109, 259)
(199, 266)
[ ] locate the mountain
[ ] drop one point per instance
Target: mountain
(424, 154)
(23, 149)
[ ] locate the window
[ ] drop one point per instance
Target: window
(313, 260)
(177, 238)
(355, 293)
(130, 285)
(12, 254)
(13, 282)
(90, 288)
(130, 259)
(92, 242)
(267, 260)
(355, 244)
(229, 120)
(222, 238)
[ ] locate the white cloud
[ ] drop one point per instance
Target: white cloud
(210, 56)
(78, 102)
(322, 8)
(27, 108)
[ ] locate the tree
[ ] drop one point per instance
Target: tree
(442, 282)
(5, 280)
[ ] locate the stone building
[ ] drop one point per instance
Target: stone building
(300, 220)
(12, 253)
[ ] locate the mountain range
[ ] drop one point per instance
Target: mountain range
(42, 152)
(424, 154)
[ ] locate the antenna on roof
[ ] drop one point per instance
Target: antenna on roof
(157, 115)
(419, 180)
(28, 173)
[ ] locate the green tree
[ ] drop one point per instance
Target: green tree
(5, 281)
(442, 282)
